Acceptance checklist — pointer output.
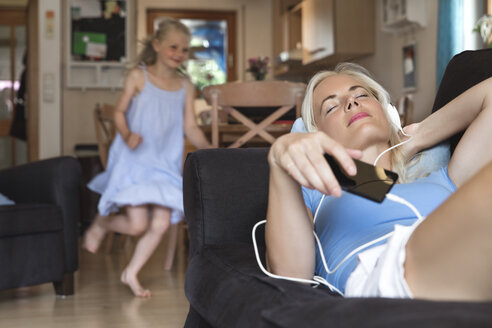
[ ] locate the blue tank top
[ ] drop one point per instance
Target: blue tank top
(345, 223)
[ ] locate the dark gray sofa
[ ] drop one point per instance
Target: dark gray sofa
(39, 234)
(225, 194)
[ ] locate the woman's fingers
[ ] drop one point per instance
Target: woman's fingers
(302, 157)
(293, 171)
(317, 174)
(321, 173)
(354, 153)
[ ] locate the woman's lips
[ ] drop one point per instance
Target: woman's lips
(357, 116)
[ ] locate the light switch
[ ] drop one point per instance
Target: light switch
(48, 87)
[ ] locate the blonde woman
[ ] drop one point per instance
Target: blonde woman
(383, 249)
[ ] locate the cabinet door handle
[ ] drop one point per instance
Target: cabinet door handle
(315, 51)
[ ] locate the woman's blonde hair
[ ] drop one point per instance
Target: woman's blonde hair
(361, 75)
(148, 55)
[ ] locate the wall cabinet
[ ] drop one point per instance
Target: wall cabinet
(97, 43)
(330, 31)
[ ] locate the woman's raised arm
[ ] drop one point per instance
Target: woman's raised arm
(470, 111)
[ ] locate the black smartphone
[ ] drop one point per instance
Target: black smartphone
(371, 182)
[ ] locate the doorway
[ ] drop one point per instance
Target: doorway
(13, 45)
(213, 44)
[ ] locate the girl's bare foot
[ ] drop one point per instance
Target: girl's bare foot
(94, 236)
(132, 282)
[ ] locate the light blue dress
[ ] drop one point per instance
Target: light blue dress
(151, 173)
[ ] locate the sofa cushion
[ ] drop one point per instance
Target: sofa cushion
(225, 286)
(379, 312)
(22, 219)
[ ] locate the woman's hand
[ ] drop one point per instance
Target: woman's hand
(410, 148)
(133, 140)
(301, 156)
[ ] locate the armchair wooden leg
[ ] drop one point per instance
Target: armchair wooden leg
(64, 287)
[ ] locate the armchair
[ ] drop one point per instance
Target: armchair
(39, 233)
(225, 194)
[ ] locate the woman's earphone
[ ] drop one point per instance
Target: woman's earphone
(394, 116)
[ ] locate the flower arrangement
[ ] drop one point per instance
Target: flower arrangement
(258, 67)
(484, 27)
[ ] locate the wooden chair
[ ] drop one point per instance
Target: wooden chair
(282, 95)
(105, 132)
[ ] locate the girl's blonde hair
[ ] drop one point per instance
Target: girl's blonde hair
(148, 55)
(361, 75)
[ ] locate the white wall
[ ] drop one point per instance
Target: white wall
(386, 64)
(49, 80)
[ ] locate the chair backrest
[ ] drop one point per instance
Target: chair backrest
(257, 94)
(282, 94)
(105, 130)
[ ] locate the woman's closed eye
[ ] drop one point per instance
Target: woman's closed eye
(328, 108)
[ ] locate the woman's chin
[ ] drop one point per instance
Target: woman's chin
(366, 135)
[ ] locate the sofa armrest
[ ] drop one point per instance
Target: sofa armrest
(225, 194)
(51, 181)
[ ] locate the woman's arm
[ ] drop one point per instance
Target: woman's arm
(191, 128)
(470, 111)
(295, 159)
(133, 85)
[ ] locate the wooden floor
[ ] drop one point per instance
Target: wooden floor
(100, 299)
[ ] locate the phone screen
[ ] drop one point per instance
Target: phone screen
(371, 182)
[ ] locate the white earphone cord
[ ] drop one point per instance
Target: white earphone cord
(317, 280)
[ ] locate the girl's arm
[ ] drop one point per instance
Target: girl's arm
(133, 85)
(191, 128)
(295, 159)
(470, 111)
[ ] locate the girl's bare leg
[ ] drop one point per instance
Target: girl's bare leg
(449, 255)
(133, 223)
(146, 245)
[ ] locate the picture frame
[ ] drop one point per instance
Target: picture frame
(409, 65)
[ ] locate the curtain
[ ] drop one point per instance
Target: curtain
(449, 34)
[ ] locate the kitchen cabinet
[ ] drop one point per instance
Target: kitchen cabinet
(330, 31)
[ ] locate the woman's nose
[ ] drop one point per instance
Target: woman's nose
(350, 103)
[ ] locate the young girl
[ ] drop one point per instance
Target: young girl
(143, 176)
(383, 249)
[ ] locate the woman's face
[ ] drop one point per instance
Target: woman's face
(346, 111)
(173, 50)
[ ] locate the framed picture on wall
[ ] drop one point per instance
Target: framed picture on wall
(409, 68)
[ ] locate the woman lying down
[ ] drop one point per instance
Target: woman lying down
(430, 239)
